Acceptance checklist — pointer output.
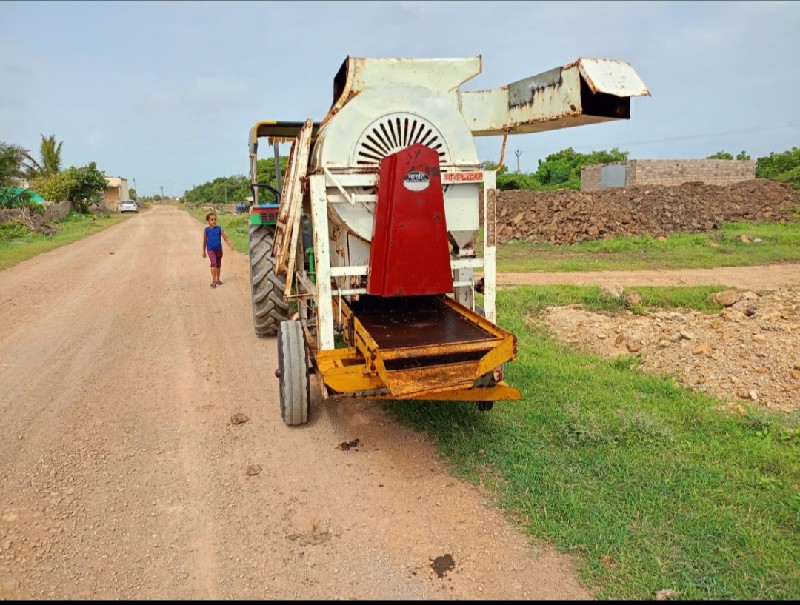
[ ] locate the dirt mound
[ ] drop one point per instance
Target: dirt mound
(31, 220)
(749, 351)
(566, 216)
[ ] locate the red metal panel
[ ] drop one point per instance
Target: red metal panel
(410, 252)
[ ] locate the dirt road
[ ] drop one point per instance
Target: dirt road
(771, 277)
(122, 475)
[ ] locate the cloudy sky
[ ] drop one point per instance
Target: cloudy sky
(165, 92)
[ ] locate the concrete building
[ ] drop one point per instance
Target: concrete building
(665, 172)
(116, 190)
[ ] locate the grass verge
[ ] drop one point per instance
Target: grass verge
(235, 225)
(18, 243)
(647, 483)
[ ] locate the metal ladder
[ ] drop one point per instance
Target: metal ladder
(284, 245)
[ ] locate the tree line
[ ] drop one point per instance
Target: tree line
(234, 189)
(83, 186)
(560, 170)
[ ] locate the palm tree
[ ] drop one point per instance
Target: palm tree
(49, 156)
(11, 158)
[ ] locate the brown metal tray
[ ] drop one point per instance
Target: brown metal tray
(415, 321)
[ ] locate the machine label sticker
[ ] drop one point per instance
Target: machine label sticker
(462, 177)
(416, 181)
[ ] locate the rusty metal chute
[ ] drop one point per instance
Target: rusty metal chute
(588, 91)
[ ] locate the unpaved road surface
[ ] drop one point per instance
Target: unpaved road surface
(771, 277)
(122, 475)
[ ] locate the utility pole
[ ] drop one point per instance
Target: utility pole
(162, 192)
(517, 153)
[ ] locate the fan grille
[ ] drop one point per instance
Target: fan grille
(397, 131)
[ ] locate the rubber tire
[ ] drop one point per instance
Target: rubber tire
(485, 406)
(295, 391)
(269, 307)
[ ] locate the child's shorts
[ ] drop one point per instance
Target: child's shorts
(215, 256)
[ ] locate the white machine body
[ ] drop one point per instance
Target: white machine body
(382, 106)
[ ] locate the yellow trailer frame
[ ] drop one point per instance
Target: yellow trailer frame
(415, 362)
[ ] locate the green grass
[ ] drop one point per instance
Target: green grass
(235, 225)
(722, 248)
(17, 243)
(647, 483)
(593, 298)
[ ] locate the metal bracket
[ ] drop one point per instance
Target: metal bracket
(338, 186)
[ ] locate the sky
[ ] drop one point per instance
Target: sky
(164, 93)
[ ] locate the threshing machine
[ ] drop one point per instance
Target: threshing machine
(364, 261)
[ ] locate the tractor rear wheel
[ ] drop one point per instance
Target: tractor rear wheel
(269, 308)
(295, 393)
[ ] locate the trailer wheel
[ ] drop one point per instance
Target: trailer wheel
(485, 406)
(293, 373)
(269, 308)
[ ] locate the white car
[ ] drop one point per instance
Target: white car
(128, 206)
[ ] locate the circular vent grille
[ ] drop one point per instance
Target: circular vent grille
(397, 131)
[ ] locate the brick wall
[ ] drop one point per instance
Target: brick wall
(674, 172)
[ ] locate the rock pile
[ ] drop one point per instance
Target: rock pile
(747, 352)
(567, 216)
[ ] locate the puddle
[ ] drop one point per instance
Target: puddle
(441, 565)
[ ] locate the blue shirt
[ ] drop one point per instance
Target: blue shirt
(213, 238)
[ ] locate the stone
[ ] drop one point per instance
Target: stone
(727, 298)
(632, 299)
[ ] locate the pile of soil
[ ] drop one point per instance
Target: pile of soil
(566, 216)
(29, 219)
(747, 353)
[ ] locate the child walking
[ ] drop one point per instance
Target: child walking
(212, 243)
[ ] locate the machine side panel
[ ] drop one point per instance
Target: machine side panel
(410, 252)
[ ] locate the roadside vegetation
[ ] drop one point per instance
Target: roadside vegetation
(562, 170)
(648, 484)
(82, 187)
(19, 243)
(23, 230)
(236, 188)
(235, 225)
